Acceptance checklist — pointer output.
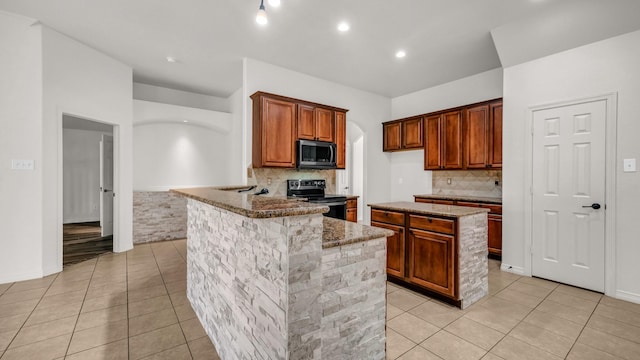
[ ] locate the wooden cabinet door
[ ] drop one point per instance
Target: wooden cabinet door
(432, 261)
(495, 135)
(433, 145)
(278, 132)
(452, 140)
(352, 215)
(306, 122)
(494, 235)
(325, 125)
(341, 139)
(412, 134)
(476, 128)
(395, 249)
(391, 137)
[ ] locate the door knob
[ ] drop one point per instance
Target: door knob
(594, 206)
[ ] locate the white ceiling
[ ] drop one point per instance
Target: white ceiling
(445, 40)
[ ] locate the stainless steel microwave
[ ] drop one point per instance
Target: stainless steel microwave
(316, 155)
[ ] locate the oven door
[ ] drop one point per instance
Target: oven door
(337, 209)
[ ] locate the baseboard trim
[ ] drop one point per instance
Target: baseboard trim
(628, 296)
(512, 269)
(30, 275)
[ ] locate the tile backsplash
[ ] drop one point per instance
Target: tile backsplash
(468, 182)
(279, 177)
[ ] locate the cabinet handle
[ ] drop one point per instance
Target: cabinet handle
(430, 220)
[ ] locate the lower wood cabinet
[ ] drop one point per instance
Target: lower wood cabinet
(494, 226)
(494, 229)
(421, 251)
(432, 261)
(352, 210)
(395, 249)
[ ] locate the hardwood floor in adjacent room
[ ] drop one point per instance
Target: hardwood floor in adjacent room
(83, 241)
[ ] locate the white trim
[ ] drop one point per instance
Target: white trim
(80, 220)
(29, 275)
(628, 296)
(512, 269)
(611, 100)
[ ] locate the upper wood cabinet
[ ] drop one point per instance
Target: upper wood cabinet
(274, 132)
(443, 136)
(279, 121)
(315, 123)
(476, 124)
(483, 136)
(495, 135)
(341, 139)
(406, 134)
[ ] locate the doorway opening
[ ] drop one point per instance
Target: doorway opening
(350, 181)
(87, 158)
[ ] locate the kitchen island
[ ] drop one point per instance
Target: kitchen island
(438, 249)
(272, 278)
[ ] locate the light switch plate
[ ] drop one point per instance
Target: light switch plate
(629, 165)
(22, 164)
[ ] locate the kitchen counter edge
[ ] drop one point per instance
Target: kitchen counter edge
(429, 209)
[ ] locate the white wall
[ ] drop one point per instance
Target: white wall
(367, 110)
(181, 98)
(407, 175)
(20, 138)
(596, 69)
(81, 175)
(83, 82)
(179, 155)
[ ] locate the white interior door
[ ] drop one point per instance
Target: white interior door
(106, 185)
(568, 236)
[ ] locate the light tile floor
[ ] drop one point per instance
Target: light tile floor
(133, 306)
(119, 306)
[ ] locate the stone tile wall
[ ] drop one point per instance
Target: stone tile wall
(473, 265)
(279, 179)
(467, 182)
(265, 288)
(353, 300)
(158, 215)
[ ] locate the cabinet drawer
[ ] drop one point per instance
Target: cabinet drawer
(423, 200)
(352, 204)
(494, 209)
(389, 217)
(468, 204)
(432, 224)
(443, 202)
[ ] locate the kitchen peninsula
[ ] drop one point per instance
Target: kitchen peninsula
(439, 249)
(272, 278)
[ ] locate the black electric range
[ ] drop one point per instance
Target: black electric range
(313, 191)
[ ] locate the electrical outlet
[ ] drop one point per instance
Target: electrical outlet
(448, 181)
(268, 181)
(629, 165)
(400, 180)
(22, 165)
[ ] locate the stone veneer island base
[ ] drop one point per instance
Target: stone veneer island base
(275, 279)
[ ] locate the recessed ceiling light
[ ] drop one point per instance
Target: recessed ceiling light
(171, 59)
(274, 3)
(343, 26)
(185, 121)
(401, 54)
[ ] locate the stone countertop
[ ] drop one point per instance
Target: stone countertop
(339, 232)
(352, 197)
(430, 209)
(480, 199)
(249, 205)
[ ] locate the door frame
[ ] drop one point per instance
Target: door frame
(611, 100)
(60, 179)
